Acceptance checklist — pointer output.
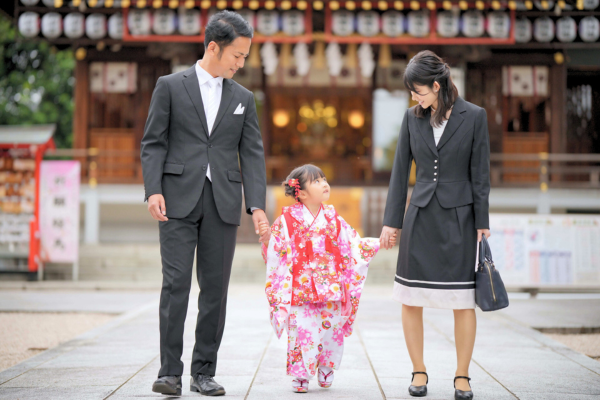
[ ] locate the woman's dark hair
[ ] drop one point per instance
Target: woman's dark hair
(424, 69)
(224, 27)
(305, 175)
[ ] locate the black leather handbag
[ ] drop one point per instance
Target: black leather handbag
(490, 294)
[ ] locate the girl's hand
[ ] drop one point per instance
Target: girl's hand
(485, 232)
(263, 228)
(388, 237)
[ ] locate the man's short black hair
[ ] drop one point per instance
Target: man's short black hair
(224, 27)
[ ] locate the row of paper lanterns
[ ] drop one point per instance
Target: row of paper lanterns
(334, 5)
(392, 23)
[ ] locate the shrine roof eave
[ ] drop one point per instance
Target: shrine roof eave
(16, 135)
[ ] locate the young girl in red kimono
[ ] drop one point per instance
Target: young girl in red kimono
(316, 269)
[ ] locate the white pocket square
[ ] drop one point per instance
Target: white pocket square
(239, 109)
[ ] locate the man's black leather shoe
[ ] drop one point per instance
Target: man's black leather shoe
(170, 385)
(206, 386)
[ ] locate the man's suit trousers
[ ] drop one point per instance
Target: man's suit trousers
(213, 240)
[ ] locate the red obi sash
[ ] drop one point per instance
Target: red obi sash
(314, 285)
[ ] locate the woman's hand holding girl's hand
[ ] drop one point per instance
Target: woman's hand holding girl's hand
(263, 227)
(387, 240)
(485, 232)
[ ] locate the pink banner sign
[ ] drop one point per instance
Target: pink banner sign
(59, 211)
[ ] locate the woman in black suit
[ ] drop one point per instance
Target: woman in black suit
(447, 215)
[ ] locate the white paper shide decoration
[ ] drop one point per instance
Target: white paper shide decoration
(267, 22)
(74, 25)
(164, 21)
(523, 30)
(293, 23)
(498, 24)
(335, 61)
(342, 22)
(189, 21)
(52, 25)
(139, 22)
(392, 23)
(113, 77)
(366, 60)
(115, 26)
(268, 53)
(543, 29)
(473, 24)
(418, 23)
(447, 23)
(29, 24)
(302, 58)
(95, 26)
(525, 81)
(589, 29)
(566, 29)
(368, 23)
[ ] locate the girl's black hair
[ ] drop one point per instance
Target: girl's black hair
(424, 69)
(305, 175)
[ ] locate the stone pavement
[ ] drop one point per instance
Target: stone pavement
(120, 360)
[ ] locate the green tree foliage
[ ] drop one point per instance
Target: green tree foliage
(36, 83)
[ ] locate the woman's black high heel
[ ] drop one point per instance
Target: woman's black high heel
(461, 394)
(418, 391)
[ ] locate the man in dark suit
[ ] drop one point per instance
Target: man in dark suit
(200, 121)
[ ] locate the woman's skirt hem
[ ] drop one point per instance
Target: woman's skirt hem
(459, 299)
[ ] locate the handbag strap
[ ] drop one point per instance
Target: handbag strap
(484, 250)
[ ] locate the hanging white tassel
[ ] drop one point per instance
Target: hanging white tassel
(366, 59)
(302, 58)
(269, 57)
(334, 59)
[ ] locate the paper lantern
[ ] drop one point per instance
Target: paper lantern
(566, 29)
(342, 22)
(368, 23)
(540, 5)
(473, 24)
(249, 16)
(589, 29)
(139, 22)
(189, 22)
(523, 30)
(30, 2)
(52, 25)
(293, 23)
(48, 3)
(95, 26)
(543, 29)
(29, 24)
(267, 22)
(590, 4)
(74, 25)
(115, 26)
(447, 23)
(498, 24)
(418, 23)
(163, 22)
(392, 23)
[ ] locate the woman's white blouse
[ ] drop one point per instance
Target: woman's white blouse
(437, 132)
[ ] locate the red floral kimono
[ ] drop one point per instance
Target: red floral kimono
(316, 269)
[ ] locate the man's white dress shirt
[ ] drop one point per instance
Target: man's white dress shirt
(211, 90)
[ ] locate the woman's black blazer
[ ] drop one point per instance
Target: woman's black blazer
(457, 170)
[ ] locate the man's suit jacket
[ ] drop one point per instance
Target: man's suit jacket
(176, 148)
(457, 170)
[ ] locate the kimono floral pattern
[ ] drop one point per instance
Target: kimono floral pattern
(314, 283)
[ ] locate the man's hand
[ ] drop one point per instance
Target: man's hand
(485, 232)
(258, 217)
(264, 230)
(156, 206)
(388, 237)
